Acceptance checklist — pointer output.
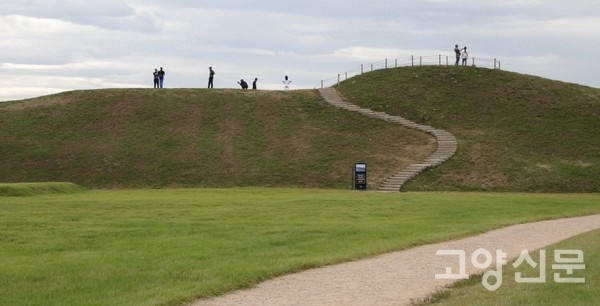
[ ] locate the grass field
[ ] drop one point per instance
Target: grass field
(164, 247)
(62, 244)
(550, 292)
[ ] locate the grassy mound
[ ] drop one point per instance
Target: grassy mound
(32, 189)
(515, 132)
(126, 138)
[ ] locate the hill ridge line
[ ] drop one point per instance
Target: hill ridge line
(446, 142)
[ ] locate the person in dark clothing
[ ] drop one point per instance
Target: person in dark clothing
(161, 77)
(254, 83)
(457, 52)
(243, 84)
(155, 73)
(211, 75)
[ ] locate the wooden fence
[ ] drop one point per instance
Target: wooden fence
(434, 60)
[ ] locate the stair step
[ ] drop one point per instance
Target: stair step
(391, 189)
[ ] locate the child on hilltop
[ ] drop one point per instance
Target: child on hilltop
(286, 83)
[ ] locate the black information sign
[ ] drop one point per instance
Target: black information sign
(360, 176)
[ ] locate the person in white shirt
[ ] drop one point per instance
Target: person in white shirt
(286, 83)
(465, 56)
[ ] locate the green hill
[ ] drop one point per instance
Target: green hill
(130, 138)
(516, 132)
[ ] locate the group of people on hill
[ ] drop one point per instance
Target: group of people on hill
(159, 76)
(461, 53)
(286, 83)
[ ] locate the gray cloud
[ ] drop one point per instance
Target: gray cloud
(50, 45)
(108, 14)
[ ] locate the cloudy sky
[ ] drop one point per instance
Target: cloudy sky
(49, 46)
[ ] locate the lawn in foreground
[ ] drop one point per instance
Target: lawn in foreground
(549, 292)
(148, 247)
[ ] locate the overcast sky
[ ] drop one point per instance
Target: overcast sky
(49, 46)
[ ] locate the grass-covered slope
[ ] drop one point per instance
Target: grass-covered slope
(515, 132)
(34, 189)
(196, 137)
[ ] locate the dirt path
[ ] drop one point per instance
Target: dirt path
(396, 278)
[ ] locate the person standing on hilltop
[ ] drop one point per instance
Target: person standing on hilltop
(465, 56)
(155, 78)
(286, 83)
(254, 83)
(211, 75)
(457, 52)
(161, 76)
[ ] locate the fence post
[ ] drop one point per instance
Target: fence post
(412, 60)
(420, 61)
(499, 67)
(361, 69)
(371, 67)
(494, 63)
(321, 84)
(338, 82)
(473, 62)
(395, 63)
(346, 77)
(440, 59)
(386, 63)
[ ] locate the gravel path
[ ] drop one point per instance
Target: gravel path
(396, 278)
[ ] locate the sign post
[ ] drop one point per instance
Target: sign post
(360, 176)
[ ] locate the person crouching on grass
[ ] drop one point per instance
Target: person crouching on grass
(243, 84)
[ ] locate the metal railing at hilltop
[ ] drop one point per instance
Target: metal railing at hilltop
(410, 61)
